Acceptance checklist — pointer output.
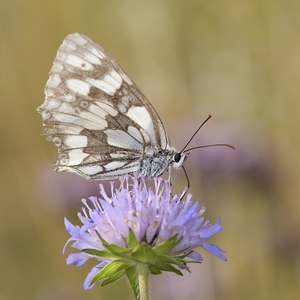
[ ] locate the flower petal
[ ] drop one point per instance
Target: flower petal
(215, 250)
(77, 259)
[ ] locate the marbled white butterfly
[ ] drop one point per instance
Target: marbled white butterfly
(103, 125)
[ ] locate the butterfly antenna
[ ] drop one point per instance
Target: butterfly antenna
(211, 145)
(209, 116)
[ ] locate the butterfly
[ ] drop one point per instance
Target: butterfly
(102, 124)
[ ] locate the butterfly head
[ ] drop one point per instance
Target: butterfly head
(179, 159)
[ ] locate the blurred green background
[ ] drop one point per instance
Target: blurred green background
(238, 60)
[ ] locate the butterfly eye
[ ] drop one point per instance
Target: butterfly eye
(177, 157)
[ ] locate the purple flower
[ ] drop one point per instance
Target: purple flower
(140, 225)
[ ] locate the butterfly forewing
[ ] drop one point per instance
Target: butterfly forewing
(103, 126)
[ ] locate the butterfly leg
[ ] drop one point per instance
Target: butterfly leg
(170, 170)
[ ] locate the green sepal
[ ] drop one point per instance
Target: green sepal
(117, 250)
(109, 271)
(143, 253)
(166, 267)
(99, 253)
(132, 242)
(167, 245)
(112, 278)
(182, 252)
(132, 276)
(174, 261)
(154, 271)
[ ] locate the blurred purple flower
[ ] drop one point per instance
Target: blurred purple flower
(69, 188)
(251, 159)
(138, 224)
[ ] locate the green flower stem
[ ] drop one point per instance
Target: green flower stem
(143, 280)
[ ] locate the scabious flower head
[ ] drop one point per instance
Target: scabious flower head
(138, 225)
